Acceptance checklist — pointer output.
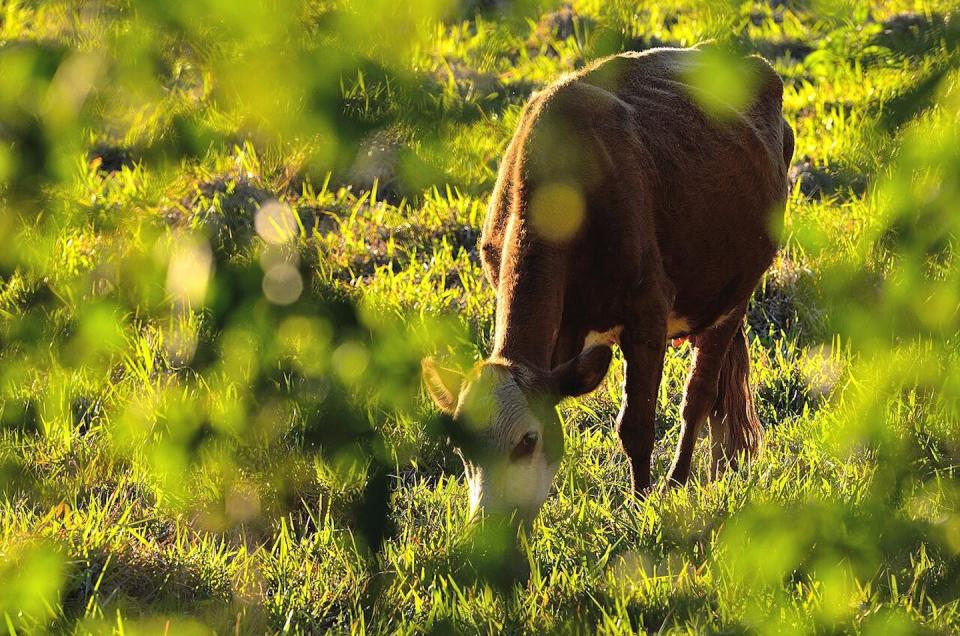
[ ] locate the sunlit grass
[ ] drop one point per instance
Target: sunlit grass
(188, 447)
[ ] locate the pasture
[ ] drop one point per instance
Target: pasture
(230, 230)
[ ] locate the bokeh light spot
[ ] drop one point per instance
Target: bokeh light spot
(188, 273)
(557, 211)
(350, 361)
(721, 82)
(275, 222)
(282, 284)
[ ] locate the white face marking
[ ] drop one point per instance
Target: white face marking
(499, 481)
(503, 487)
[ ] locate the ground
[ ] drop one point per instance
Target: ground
(213, 312)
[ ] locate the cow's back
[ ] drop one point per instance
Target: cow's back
(715, 184)
(662, 182)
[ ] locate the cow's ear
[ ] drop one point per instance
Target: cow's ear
(443, 385)
(581, 374)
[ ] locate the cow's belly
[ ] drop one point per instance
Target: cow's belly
(609, 337)
(677, 326)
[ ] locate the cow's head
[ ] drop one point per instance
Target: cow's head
(508, 411)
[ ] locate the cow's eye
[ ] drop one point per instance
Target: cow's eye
(526, 446)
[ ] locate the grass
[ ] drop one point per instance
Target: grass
(183, 459)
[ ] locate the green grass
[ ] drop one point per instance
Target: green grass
(228, 465)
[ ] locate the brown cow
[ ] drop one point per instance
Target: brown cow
(622, 213)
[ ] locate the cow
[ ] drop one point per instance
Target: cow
(624, 213)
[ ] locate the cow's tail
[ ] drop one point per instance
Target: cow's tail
(735, 431)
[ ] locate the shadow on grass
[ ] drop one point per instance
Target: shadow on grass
(915, 34)
(144, 583)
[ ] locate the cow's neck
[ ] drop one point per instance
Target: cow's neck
(529, 303)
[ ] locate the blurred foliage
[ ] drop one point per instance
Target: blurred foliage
(229, 231)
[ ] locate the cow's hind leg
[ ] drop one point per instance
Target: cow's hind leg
(702, 392)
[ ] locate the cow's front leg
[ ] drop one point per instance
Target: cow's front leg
(643, 351)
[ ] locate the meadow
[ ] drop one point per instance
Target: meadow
(230, 230)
